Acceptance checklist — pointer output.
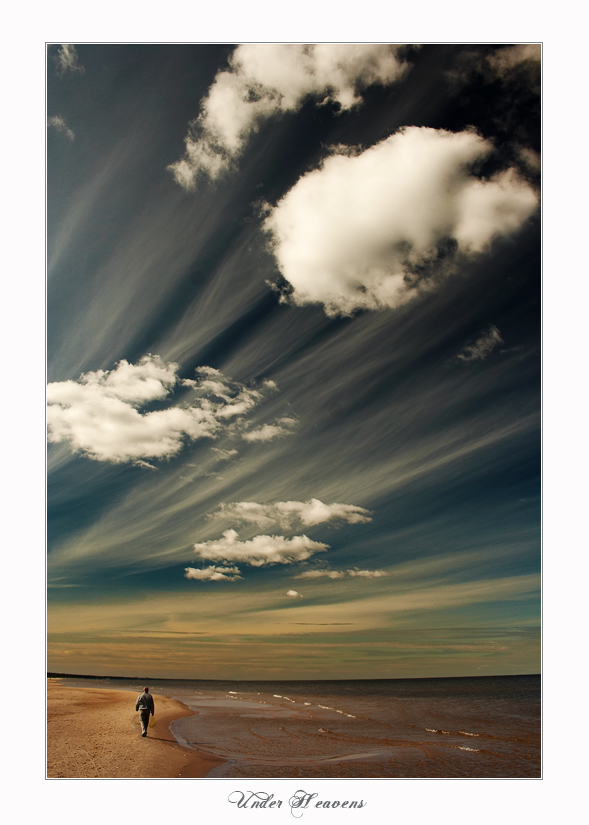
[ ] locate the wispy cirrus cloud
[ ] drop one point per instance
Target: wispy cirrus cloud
(99, 414)
(264, 80)
(67, 60)
(259, 551)
(342, 574)
(371, 230)
(482, 347)
(58, 123)
(287, 514)
(213, 574)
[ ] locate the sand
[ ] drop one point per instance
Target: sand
(94, 733)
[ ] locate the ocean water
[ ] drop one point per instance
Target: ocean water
(481, 727)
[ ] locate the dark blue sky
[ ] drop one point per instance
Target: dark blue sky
(326, 320)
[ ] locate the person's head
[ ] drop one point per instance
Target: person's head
(146, 690)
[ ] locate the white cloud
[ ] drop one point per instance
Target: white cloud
(364, 231)
(99, 413)
(213, 574)
(57, 122)
(260, 551)
(289, 513)
(483, 346)
(341, 574)
(67, 60)
(268, 432)
(267, 79)
(367, 574)
(293, 594)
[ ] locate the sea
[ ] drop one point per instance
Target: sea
(479, 727)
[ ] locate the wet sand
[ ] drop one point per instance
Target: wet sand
(94, 733)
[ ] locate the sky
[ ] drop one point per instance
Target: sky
(293, 354)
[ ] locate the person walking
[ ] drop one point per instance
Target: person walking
(146, 707)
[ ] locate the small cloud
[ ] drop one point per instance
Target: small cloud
(322, 574)
(67, 60)
(146, 464)
(290, 513)
(293, 594)
(341, 574)
(482, 347)
(58, 123)
(367, 574)
(259, 551)
(213, 574)
(268, 432)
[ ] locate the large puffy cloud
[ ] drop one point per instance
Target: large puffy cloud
(289, 513)
(99, 414)
(368, 231)
(259, 551)
(266, 79)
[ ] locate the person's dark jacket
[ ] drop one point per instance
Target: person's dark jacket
(145, 702)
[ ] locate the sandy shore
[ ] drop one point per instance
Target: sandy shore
(95, 733)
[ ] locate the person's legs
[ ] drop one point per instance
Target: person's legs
(144, 716)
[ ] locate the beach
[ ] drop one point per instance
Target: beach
(479, 727)
(94, 733)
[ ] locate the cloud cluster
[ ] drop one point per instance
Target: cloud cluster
(259, 551)
(213, 574)
(370, 230)
(67, 60)
(266, 79)
(341, 574)
(99, 414)
(292, 513)
(482, 347)
(57, 122)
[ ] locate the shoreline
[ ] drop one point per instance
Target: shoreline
(94, 733)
